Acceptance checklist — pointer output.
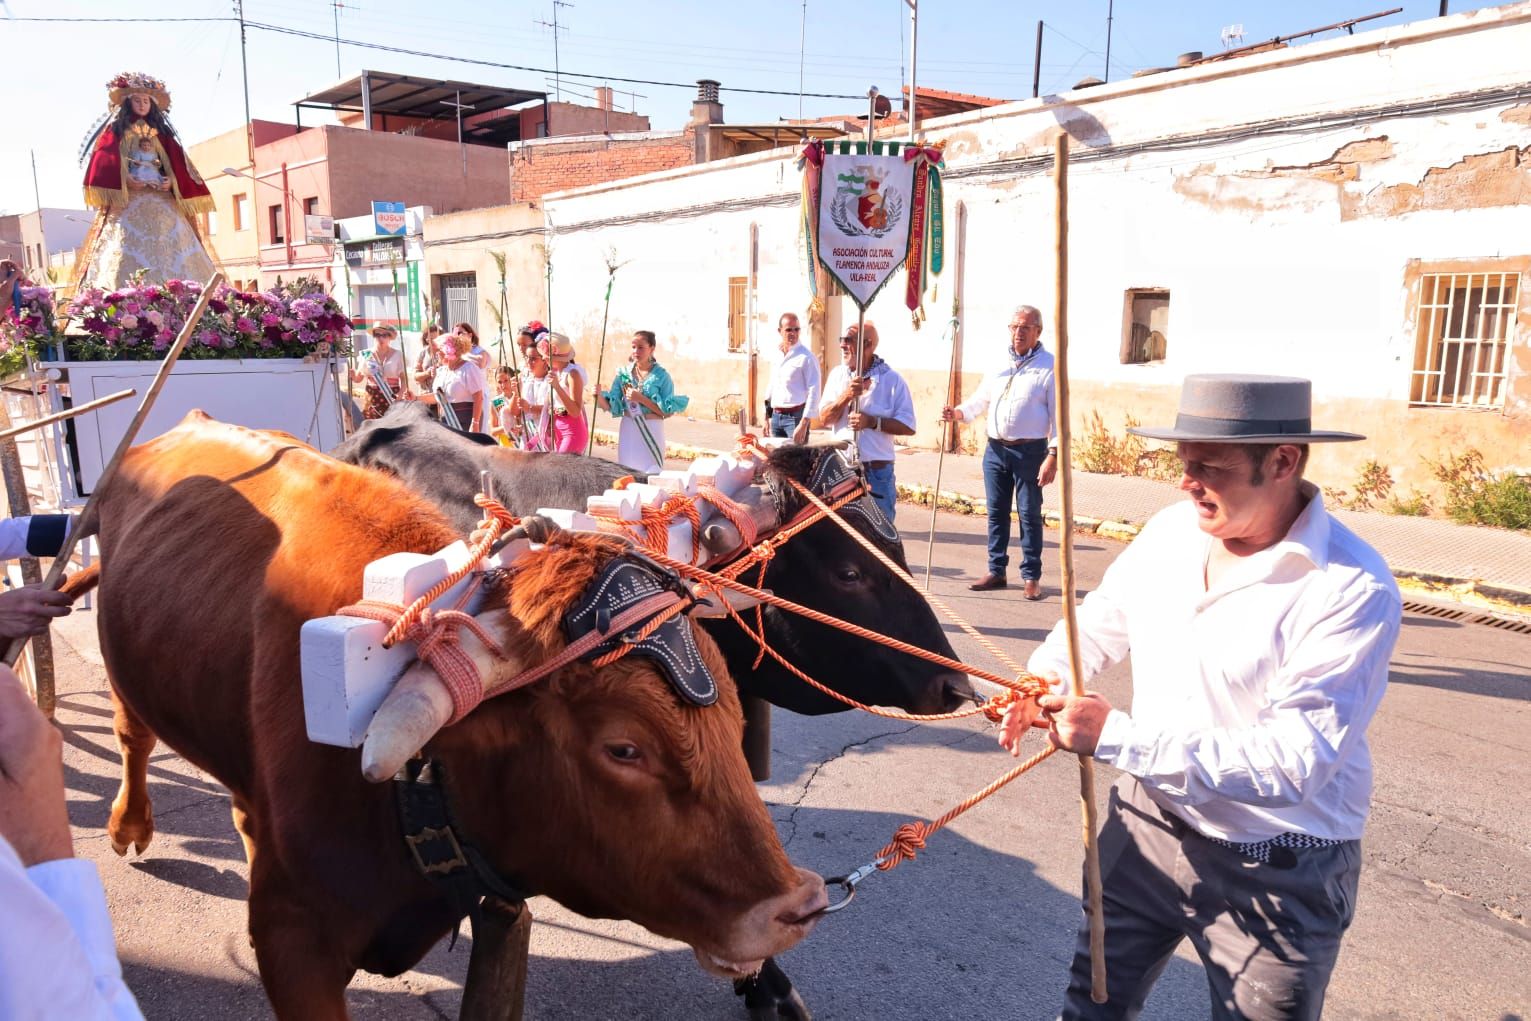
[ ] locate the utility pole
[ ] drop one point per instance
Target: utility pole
(802, 52)
(914, 59)
(459, 106)
(1036, 66)
(1110, 10)
(244, 69)
(557, 91)
(42, 226)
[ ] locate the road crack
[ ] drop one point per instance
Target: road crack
(797, 803)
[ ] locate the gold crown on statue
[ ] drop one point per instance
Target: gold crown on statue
(136, 83)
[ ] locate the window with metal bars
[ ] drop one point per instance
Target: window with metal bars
(1465, 326)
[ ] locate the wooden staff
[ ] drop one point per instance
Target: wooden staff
(79, 409)
(949, 433)
(61, 562)
(1066, 545)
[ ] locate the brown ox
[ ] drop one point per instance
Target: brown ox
(597, 787)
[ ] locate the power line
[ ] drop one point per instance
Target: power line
(327, 38)
(280, 30)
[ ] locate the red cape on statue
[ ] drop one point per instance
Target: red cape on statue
(105, 169)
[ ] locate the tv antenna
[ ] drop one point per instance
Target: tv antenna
(557, 91)
(1232, 34)
(338, 5)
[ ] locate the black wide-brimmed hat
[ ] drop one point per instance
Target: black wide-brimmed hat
(1245, 409)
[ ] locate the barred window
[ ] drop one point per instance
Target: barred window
(738, 329)
(1465, 326)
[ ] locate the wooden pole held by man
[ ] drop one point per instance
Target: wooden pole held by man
(61, 562)
(1066, 547)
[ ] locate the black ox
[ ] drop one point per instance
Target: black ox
(822, 567)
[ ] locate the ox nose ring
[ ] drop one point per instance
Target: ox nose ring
(847, 883)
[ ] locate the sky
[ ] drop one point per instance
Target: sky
(56, 70)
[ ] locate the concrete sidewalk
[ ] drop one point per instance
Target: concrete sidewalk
(1470, 560)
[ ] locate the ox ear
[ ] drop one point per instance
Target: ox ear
(721, 535)
(716, 602)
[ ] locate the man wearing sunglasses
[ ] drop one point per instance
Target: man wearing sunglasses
(886, 410)
(794, 391)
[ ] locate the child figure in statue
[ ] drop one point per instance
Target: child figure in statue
(144, 165)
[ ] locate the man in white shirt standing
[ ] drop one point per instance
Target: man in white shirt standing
(887, 410)
(794, 391)
(1021, 452)
(1260, 630)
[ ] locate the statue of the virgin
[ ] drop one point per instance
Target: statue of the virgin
(145, 191)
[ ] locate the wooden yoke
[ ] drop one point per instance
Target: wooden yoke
(346, 670)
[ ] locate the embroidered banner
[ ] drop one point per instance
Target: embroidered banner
(866, 212)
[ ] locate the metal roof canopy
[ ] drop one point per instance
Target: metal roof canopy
(776, 135)
(382, 92)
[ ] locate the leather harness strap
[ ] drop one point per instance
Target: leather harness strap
(441, 851)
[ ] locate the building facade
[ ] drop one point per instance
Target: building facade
(1349, 210)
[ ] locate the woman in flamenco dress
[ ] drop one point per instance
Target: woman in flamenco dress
(145, 221)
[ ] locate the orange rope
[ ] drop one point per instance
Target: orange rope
(909, 839)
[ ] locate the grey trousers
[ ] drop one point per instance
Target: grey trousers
(1268, 937)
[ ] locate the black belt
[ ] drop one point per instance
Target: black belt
(878, 464)
(1016, 443)
(796, 409)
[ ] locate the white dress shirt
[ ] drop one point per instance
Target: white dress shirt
(461, 383)
(1250, 701)
(886, 396)
(795, 380)
(57, 955)
(1020, 399)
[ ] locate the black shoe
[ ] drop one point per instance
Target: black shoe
(988, 583)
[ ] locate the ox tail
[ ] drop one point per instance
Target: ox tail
(81, 582)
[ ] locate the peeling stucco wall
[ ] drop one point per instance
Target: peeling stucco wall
(1280, 199)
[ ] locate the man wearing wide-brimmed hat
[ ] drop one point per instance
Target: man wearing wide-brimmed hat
(1260, 630)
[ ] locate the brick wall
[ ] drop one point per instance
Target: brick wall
(536, 170)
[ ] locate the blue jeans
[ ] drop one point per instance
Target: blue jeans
(1008, 470)
(884, 489)
(784, 422)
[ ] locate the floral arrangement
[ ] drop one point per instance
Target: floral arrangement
(20, 332)
(292, 320)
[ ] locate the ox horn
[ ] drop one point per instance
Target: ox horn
(716, 602)
(419, 704)
(721, 535)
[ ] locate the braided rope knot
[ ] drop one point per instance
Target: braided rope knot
(438, 644)
(908, 841)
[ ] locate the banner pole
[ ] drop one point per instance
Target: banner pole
(600, 359)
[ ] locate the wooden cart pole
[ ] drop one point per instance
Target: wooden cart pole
(1066, 545)
(78, 409)
(60, 562)
(31, 571)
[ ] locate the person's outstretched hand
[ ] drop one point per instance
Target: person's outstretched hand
(33, 817)
(29, 610)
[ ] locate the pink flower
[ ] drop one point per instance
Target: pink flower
(128, 322)
(132, 307)
(155, 316)
(245, 324)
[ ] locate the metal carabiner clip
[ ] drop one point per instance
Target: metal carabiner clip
(848, 883)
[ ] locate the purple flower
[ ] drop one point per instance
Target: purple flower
(219, 307)
(245, 324)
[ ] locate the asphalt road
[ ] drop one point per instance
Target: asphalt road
(982, 924)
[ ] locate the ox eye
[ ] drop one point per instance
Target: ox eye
(848, 575)
(624, 751)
